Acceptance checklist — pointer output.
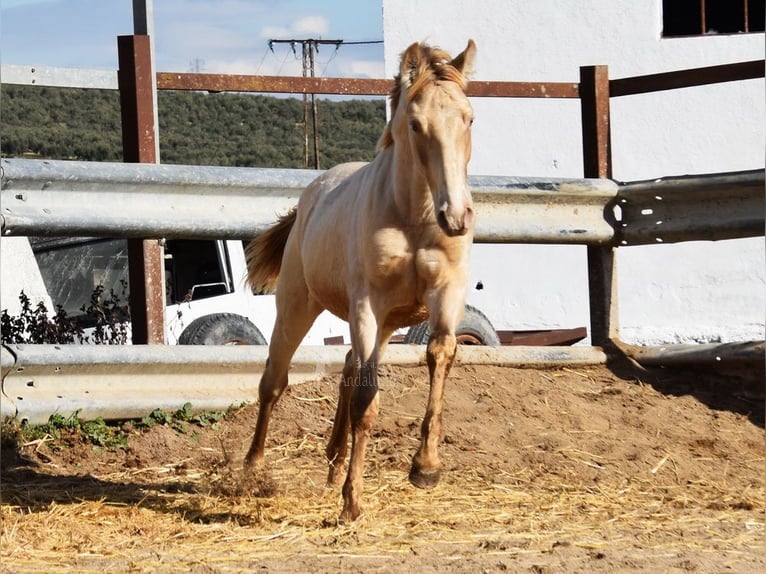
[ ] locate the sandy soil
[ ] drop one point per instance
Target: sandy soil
(576, 470)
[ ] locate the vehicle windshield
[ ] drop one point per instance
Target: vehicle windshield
(73, 268)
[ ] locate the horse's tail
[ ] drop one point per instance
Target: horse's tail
(263, 254)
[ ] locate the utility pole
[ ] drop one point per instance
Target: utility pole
(314, 115)
(309, 48)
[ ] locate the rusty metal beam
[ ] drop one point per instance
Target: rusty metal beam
(594, 106)
(687, 78)
(602, 272)
(348, 86)
(145, 256)
(272, 84)
(134, 80)
(523, 89)
(543, 338)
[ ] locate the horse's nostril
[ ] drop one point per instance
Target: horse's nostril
(468, 217)
(441, 219)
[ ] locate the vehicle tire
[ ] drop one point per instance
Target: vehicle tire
(474, 329)
(221, 329)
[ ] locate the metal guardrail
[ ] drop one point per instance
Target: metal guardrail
(692, 208)
(59, 77)
(121, 382)
(722, 355)
(42, 197)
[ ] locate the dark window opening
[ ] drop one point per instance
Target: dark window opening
(756, 17)
(196, 269)
(709, 17)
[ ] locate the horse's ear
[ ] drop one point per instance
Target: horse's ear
(412, 59)
(464, 61)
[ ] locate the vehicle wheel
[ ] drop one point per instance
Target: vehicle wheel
(221, 329)
(474, 329)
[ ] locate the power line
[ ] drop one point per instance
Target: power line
(320, 42)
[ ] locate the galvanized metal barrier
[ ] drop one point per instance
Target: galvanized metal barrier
(122, 382)
(746, 354)
(691, 208)
(42, 197)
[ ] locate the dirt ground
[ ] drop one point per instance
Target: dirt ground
(580, 469)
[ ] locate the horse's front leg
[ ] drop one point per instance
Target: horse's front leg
(363, 405)
(445, 314)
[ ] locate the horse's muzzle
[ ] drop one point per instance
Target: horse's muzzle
(455, 226)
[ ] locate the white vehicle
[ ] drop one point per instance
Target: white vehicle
(207, 301)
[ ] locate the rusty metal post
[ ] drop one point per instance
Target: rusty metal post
(145, 256)
(602, 271)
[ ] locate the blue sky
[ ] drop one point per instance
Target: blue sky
(215, 36)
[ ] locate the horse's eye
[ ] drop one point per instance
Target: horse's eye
(470, 122)
(415, 126)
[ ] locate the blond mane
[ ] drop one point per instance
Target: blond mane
(433, 66)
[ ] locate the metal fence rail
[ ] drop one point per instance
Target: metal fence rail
(41, 197)
(121, 382)
(692, 208)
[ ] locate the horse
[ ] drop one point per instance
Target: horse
(382, 245)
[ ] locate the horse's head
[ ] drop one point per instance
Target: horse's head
(432, 115)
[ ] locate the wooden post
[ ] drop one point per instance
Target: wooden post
(145, 256)
(597, 162)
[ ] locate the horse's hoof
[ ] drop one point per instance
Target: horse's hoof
(256, 480)
(349, 514)
(425, 478)
(253, 460)
(334, 476)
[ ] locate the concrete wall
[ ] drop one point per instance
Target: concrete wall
(687, 292)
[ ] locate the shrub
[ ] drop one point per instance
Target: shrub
(107, 316)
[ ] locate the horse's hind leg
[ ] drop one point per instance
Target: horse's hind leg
(337, 447)
(295, 314)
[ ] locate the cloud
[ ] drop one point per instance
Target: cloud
(311, 25)
(269, 32)
(367, 68)
(306, 27)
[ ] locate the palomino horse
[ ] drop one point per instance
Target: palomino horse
(381, 245)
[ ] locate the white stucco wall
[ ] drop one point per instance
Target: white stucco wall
(686, 292)
(20, 273)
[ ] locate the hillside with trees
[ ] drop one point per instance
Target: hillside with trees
(195, 128)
